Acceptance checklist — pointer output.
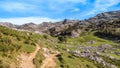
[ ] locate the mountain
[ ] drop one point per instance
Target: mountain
(8, 24)
(108, 24)
(66, 27)
(28, 26)
(47, 27)
(105, 17)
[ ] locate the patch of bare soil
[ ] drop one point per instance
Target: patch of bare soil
(26, 60)
(49, 61)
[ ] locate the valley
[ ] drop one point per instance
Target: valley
(91, 43)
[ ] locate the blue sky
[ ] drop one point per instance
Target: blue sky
(37, 11)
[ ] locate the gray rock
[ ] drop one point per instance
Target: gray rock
(91, 42)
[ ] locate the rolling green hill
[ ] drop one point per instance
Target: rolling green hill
(14, 42)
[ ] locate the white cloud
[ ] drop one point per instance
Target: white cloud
(17, 6)
(23, 20)
(75, 10)
(61, 6)
(102, 5)
(62, 1)
(40, 6)
(73, 1)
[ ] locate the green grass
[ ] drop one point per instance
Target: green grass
(112, 55)
(89, 37)
(72, 44)
(28, 48)
(13, 43)
(38, 59)
(67, 60)
(112, 61)
(115, 56)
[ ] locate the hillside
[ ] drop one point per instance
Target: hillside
(14, 43)
(92, 43)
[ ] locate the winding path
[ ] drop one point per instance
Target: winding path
(49, 61)
(27, 59)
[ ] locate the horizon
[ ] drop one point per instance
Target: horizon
(21, 12)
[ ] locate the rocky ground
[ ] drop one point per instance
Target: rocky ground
(95, 52)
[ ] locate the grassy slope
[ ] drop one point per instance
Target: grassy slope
(72, 44)
(67, 60)
(14, 42)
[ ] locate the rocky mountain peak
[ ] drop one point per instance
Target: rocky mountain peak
(67, 21)
(105, 17)
(7, 24)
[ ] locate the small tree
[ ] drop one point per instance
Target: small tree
(1, 35)
(45, 36)
(62, 38)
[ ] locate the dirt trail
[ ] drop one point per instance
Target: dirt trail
(27, 59)
(49, 61)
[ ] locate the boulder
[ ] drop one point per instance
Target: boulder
(91, 42)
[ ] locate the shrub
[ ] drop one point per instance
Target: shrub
(62, 38)
(45, 36)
